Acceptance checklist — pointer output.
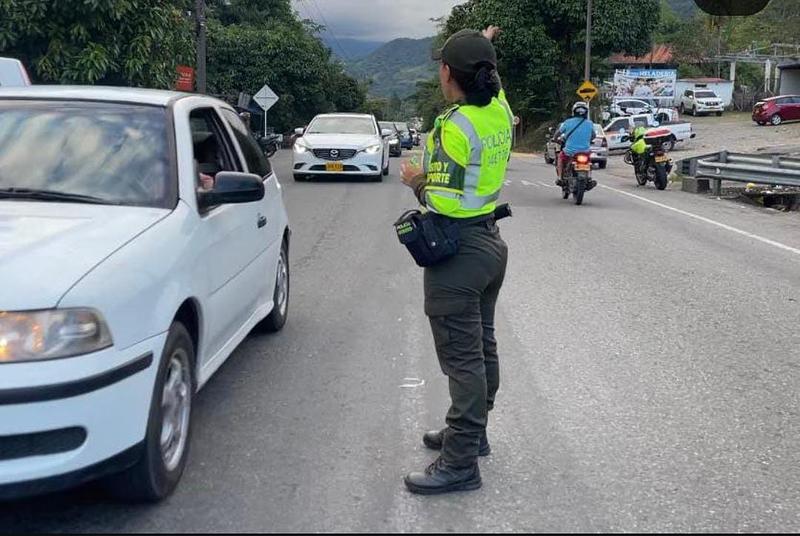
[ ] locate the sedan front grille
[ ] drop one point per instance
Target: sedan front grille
(334, 154)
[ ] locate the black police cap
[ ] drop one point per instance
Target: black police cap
(466, 50)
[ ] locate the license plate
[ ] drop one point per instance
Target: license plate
(334, 167)
(660, 159)
(583, 167)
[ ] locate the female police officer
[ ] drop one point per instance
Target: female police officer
(463, 171)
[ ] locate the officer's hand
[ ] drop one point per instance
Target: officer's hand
(491, 32)
(409, 172)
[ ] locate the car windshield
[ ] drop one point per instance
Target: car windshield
(341, 125)
(705, 95)
(112, 152)
(402, 127)
(386, 125)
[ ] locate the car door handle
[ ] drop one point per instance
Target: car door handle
(262, 221)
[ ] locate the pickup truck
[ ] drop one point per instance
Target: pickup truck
(621, 126)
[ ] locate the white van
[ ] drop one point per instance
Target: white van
(13, 73)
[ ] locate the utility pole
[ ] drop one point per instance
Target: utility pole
(587, 72)
(200, 21)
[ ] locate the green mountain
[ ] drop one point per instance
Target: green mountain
(396, 67)
(683, 8)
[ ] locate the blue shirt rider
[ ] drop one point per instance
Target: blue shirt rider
(580, 141)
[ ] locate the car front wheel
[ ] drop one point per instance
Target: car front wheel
(280, 295)
(776, 119)
(166, 446)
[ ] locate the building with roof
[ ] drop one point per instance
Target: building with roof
(659, 57)
(789, 78)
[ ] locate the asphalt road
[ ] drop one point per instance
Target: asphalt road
(650, 377)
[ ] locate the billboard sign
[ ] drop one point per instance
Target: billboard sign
(645, 83)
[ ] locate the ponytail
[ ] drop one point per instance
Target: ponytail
(480, 87)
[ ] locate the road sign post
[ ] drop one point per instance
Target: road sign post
(266, 99)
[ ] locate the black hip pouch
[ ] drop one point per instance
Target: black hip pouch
(429, 238)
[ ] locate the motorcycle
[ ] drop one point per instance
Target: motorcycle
(653, 165)
(576, 178)
(269, 144)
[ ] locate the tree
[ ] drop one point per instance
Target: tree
(257, 42)
(119, 42)
(542, 43)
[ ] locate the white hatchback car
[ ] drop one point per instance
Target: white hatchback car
(342, 144)
(143, 235)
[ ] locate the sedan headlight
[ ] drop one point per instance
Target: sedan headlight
(394, 141)
(373, 149)
(301, 146)
(51, 334)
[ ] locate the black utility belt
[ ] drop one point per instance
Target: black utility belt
(431, 238)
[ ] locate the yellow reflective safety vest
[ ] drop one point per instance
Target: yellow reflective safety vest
(466, 158)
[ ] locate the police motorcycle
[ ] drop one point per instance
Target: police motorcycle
(651, 163)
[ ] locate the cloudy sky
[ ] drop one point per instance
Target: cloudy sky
(376, 20)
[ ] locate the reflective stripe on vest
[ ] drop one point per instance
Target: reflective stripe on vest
(469, 199)
(508, 111)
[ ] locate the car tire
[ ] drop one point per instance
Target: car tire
(719, 114)
(602, 165)
(761, 123)
(386, 170)
(377, 178)
(682, 109)
(276, 319)
(776, 120)
(670, 146)
(694, 111)
(157, 473)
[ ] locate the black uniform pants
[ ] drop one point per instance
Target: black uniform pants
(460, 298)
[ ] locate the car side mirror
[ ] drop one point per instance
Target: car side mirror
(625, 138)
(656, 124)
(385, 133)
(231, 187)
(299, 131)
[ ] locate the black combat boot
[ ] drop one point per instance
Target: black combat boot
(433, 440)
(439, 477)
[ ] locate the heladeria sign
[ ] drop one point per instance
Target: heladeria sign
(645, 83)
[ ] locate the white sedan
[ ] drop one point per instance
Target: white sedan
(143, 235)
(342, 144)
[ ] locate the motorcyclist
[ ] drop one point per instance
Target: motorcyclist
(575, 134)
(639, 146)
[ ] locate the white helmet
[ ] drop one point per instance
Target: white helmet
(580, 108)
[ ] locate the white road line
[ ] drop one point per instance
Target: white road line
(507, 183)
(548, 185)
(709, 221)
(526, 183)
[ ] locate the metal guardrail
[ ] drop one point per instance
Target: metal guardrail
(759, 169)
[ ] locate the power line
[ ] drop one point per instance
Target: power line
(329, 28)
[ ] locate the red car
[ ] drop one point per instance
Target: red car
(777, 110)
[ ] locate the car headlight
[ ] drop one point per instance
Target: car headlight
(51, 334)
(373, 149)
(300, 146)
(394, 141)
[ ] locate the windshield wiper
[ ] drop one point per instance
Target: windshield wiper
(50, 195)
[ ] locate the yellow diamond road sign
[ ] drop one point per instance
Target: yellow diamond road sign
(587, 91)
